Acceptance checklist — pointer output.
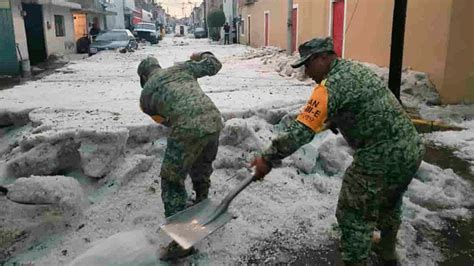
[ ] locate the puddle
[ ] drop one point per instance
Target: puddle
(457, 239)
(329, 255)
(444, 158)
(457, 243)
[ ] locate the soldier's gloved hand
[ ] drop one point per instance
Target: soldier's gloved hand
(196, 56)
(262, 167)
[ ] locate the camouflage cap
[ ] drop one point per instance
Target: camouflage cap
(145, 65)
(314, 46)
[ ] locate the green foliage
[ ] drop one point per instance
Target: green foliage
(216, 18)
(215, 34)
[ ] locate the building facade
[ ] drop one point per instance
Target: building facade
(437, 38)
(117, 20)
(8, 50)
(43, 28)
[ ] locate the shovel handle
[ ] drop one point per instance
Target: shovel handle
(228, 199)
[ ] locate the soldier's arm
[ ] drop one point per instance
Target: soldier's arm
(292, 138)
(203, 64)
(311, 120)
(151, 107)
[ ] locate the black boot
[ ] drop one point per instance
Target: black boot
(393, 262)
(355, 263)
(202, 192)
(174, 251)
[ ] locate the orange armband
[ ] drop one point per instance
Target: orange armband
(315, 112)
(157, 118)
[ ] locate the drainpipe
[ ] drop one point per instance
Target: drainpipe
(289, 44)
(396, 52)
(205, 18)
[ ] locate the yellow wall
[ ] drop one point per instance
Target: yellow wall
(438, 37)
(426, 34)
(459, 76)
(368, 30)
(277, 23)
(309, 24)
(313, 16)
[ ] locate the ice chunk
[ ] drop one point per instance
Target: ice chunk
(126, 248)
(62, 191)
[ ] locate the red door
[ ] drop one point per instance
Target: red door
(338, 26)
(294, 28)
(266, 29)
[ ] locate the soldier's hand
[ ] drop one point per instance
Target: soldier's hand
(262, 167)
(196, 56)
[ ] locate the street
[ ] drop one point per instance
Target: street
(84, 122)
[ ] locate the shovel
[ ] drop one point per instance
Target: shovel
(197, 222)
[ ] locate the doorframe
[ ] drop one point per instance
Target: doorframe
(265, 13)
(297, 7)
(44, 29)
(248, 30)
(331, 11)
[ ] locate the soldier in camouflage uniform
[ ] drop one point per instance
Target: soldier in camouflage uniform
(172, 96)
(388, 149)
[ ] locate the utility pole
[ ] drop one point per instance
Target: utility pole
(289, 43)
(205, 17)
(396, 52)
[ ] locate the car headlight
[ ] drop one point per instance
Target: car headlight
(152, 33)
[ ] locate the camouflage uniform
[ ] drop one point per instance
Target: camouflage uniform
(173, 97)
(388, 152)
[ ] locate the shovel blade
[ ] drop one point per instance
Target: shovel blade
(186, 227)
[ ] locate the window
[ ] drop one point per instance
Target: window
(59, 25)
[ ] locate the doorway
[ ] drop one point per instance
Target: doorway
(80, 25)
(338, 26)
(35, 33)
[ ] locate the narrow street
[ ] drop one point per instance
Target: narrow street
(87, 113)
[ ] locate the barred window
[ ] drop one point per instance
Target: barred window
(59, 25)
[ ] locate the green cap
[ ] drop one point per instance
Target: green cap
(314, 46)
(146, 64)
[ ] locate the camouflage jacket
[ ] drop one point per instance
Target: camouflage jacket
(365, 112)
(174, 94)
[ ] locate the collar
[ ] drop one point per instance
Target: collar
(334, 65)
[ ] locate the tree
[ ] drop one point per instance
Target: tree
(215, 20)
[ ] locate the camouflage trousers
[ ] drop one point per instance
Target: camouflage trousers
(183, 156)
(367, 201)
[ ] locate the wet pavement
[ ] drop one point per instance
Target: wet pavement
(457, 239)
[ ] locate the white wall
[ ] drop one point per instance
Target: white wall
(146, 16)
(58, 45)
(116, 21)
(19, 28)
(130, 4)
(228, 11)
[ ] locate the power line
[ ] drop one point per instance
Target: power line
(352, 16)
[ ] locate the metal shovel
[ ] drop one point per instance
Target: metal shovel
(197, 222)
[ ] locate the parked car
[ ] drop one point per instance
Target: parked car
(146, 31)
(111, 40)
(200, 33)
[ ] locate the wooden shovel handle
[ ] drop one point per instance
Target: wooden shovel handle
(228, 199)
